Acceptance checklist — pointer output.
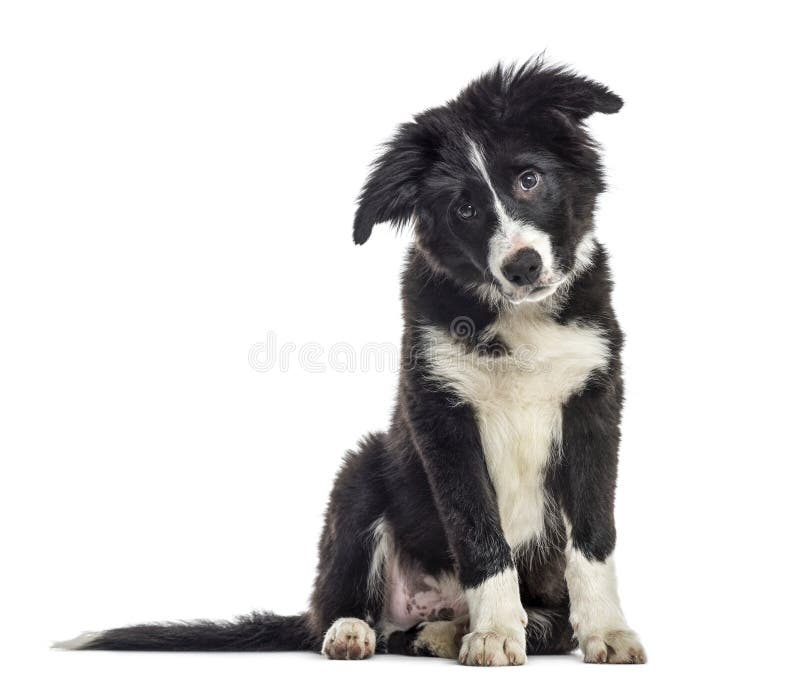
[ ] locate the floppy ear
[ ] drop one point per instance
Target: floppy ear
(391, 191)
(561, 89)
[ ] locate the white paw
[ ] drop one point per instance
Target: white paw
(615, 646)
(495, 648)
(349, 639)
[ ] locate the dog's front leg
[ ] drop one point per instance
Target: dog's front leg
(587, 479)
(447, 439)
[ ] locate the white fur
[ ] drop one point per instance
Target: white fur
(594, 602)
(349, 638)
(517, 400)
(584, 252)
(80, 641)
(595, 611)
(495, 603)
(497, 622)
(380, 557)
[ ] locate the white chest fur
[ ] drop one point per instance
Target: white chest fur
(518, 400)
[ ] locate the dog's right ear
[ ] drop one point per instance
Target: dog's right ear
(391, 192)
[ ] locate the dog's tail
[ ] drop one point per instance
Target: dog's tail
(260, 631)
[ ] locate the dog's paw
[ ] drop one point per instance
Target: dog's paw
(496, 648)
(349, 639)
(441, 638)
(614, 646)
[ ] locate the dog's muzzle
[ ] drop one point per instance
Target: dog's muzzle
(526, 278)
(523, 267)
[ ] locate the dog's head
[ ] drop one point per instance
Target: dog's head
(500, 183)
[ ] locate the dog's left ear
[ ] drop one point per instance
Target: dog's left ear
(391, 192)
(540, 86)
(580, 97)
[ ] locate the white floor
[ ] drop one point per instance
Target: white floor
(120, 669)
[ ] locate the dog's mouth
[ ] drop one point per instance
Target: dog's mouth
(539, 291)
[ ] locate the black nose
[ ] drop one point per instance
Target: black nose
(523, 267)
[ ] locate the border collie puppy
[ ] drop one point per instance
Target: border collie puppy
(480, 526)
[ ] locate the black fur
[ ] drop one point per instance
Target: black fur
(259, 631)
(426, 476)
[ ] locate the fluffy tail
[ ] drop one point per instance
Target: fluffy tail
(260, 631)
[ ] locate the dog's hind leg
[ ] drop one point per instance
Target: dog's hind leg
(347, 599)
(430, 639)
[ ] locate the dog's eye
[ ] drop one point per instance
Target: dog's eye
(467, 211)
(528, 180)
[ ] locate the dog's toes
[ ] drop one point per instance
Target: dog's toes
(349, 638)
(615, 646)
(492, 649)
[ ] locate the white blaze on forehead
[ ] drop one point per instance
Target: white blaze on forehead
(511, 234)
(479, 161)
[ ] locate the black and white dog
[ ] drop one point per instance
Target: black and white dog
(480, 526)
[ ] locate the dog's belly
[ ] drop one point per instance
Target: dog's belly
(412, 596)
(518, 400)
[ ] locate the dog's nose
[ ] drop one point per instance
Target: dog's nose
(523, 267)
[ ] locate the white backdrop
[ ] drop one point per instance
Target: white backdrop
(177, 184)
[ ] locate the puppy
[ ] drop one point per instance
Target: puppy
(480, 526)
